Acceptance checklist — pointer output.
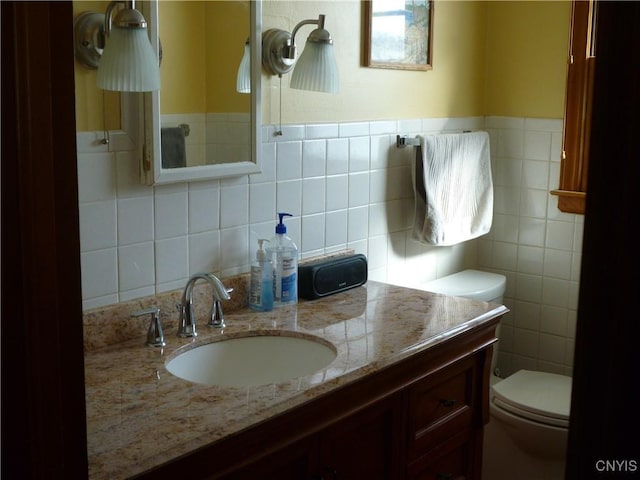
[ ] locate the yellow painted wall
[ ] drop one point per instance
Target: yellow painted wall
(527, 58)
(226, 36)
(202, 48)
(489, 58)
(453, 88)
(182, 72)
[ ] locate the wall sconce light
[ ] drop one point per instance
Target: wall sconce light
(243, 81)
(118, 47)
(315, 70)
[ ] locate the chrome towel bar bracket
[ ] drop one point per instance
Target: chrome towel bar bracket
(406, 141)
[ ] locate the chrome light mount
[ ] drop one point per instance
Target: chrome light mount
(91, 29)
(279, 46)
(89, 38)
(276, 45)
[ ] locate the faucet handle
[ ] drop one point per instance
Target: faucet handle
(155, 335)
(217, 315)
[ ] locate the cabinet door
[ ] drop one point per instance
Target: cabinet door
(295, 462)
(365, 445)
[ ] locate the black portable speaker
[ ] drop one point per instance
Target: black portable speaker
(325, 277)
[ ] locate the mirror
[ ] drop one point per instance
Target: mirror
(198, 126)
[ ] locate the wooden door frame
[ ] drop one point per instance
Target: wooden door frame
(605, 416)
(43, 407)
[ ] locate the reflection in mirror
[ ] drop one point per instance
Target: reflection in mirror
(200, 108)
(199, 126)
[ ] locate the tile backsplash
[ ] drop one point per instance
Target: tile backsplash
(534, 244)
(348, 186)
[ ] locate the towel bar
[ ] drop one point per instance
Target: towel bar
(406, 141)
(185, 128)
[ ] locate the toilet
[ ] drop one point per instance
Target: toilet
(474, 284)
(526, 436)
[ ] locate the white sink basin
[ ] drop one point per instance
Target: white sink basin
(252, 360)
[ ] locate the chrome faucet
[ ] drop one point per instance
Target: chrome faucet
(187, 323)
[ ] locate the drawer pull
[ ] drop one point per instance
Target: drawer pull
(447, 402)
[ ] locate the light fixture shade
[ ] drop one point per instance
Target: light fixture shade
(128, 63)
(243, 82)
(316, 69)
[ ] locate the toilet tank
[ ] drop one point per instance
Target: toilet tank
(474, 284)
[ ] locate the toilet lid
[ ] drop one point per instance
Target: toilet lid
(473, 284)
(538, 396)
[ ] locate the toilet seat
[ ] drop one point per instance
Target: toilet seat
(537, 396)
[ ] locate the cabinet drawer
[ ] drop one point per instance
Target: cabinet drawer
(440, 406)
(453, 464)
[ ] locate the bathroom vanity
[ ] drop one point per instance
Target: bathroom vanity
(405, 397)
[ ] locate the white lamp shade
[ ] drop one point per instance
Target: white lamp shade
(243, 82)
(128, 63)
(316, 69)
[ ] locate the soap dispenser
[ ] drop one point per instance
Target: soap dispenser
(261, 282)
(284, 256)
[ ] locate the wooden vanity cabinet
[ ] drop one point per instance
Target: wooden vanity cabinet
(363, 445)
(420, 418)
(367, 444)
(294, 462)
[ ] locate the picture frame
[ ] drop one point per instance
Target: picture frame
(398, 34)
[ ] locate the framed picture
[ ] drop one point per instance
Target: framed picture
(398, 34)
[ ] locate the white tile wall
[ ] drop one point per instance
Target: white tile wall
(213, 136)
(535, 245)
(347, 186)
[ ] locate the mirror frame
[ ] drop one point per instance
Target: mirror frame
(151, 171)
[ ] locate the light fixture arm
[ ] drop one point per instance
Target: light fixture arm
(127, 17)
(108, 17)
(291, 50)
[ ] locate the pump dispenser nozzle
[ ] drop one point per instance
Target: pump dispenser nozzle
(261, 255)
(281, 227)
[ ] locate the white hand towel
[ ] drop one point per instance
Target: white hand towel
(453, 188)
(172, 146)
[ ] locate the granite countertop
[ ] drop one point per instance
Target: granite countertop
(140, 416)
